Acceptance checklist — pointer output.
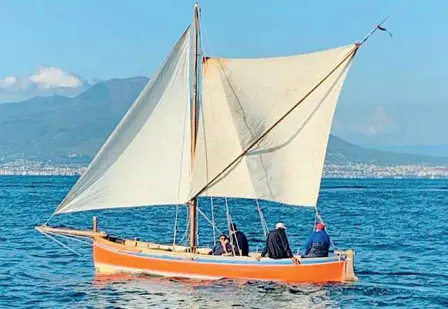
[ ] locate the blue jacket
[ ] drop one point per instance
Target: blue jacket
(317, 245)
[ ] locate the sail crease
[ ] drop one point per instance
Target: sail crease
(242, 99)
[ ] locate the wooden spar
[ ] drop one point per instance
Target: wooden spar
(194, 111)
(84, 233)
(350, 54)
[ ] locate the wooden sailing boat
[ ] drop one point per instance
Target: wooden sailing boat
(204, 126)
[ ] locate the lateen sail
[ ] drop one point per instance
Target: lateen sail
(146, 160)
(241, 99)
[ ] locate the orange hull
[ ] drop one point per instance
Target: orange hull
(111, 257)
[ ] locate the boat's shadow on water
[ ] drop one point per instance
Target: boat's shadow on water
(211, 293)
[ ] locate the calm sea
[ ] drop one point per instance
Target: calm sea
(399, 229)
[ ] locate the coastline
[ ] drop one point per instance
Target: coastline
(349, 171)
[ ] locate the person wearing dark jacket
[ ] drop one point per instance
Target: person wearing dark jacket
(239, 240)
(224, 247)
(277, 245)
(318, 243)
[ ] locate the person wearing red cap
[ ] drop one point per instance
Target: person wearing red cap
(318, 243)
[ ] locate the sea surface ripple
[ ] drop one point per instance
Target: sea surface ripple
(399, 229)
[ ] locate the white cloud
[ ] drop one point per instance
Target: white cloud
(380, 122)
(51, 77)
(365, 121)
(46, 81)
(9, 81)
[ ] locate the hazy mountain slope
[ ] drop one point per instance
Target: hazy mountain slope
(50, 127)
(341, 152)
(59, 127)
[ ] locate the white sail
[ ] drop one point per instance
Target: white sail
(241, 99)
(146, 160)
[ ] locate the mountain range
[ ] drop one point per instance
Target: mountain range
(67, 129)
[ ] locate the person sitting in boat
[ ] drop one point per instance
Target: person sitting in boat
(239, 240)
(277, 245)
(224, 247)
(318, 243)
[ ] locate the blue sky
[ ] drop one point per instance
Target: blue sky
(107, 39)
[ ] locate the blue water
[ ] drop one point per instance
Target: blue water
(397, 227)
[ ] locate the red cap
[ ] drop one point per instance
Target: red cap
(320, 226)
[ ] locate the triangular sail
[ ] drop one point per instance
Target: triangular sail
(241, 99)
(146, 160)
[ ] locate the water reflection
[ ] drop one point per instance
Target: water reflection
(138, 291)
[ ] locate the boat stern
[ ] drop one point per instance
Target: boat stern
(349, 267)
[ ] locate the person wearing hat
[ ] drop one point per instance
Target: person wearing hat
(318, 243)
(277, 245)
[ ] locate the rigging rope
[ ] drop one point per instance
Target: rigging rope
(208, 220)
(61, 244)
(187, 225)
(213, 221)
(186, 116)
(71, 237)
(206, 38)
(197, 224)
(263, 221)
(318, 217)
(175, 224)
(51, 217)
(229, 222)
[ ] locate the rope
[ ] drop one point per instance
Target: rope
(71, 237)
(318, 217)
(263, 221)
(374, 30)
(186, 116)
(206, 38)
(51, 217)
(213, 221)
(229, 222)
(187, 225)
(61, 244)
(175, 224)
(197, 224)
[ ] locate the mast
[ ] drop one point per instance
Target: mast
(194, 110)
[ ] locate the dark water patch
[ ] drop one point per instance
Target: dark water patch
(346, 187)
